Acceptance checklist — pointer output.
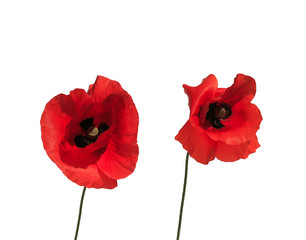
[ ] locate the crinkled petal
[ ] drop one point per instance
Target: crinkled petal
(119, 160)
(120, 157)
(90, 177)
(196, 143)
(219, 92)
(103, 88)
(58, 114)
(243, 89)
(108, 182)
(201, 94)
(122, 106)
(254, 144)
(231, 153)
(53, 123)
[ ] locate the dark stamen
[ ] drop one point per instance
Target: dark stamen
(103, 127)
(80, 141)
(217, 124)
(85, 124)
(217, 112)
(91, 133)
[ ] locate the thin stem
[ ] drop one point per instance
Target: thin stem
(183, 198)
(80, 213)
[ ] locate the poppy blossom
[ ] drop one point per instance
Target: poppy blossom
(223, 122)
(92, 136)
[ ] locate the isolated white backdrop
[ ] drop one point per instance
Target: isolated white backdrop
(152, 48)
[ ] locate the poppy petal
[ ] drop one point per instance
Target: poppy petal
(119, 160)
(196, 143)
(58, 113)
(89, 177)
(219, 92)
(201, 94)
(104, 87)
(231, 153)
(108, 182)
(243, 89)
(120, 102)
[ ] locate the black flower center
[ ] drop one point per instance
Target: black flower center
(91, 132)
(217, 112)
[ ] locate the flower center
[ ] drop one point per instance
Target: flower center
(91, 133)
(217, 112)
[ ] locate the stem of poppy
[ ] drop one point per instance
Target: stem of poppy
(183, 198)
(80, 213)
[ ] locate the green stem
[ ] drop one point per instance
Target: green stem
(183, 198)
(80, 213)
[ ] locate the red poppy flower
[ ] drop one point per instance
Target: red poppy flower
(223, 122)
(92, 136)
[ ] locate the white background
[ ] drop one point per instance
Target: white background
(152, 48)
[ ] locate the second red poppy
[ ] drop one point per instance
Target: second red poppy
(223, 122)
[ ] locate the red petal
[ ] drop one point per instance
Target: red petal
(108, 182)
(240, 127)
(83, 157)
(119, 160)
(201, 94)
(231, 153)
(90, 177)
(244, 88)
(219, 92)
(90, 87)
(58, 113)
(196, 143)
(104, 87)
(254, 144)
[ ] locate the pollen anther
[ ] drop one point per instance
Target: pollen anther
(92, 131)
